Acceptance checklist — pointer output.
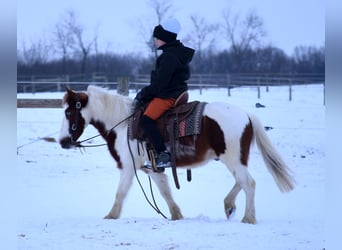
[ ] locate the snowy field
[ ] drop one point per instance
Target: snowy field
(66, 193)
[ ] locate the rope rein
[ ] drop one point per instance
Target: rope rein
(154, 205)
(78, 144)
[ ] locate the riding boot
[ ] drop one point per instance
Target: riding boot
(150, 128)
(152, 132)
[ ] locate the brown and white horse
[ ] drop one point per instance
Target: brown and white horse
(227, 134)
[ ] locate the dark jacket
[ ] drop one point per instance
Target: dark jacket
(168, 79)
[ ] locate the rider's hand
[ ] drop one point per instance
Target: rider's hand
(137, 104)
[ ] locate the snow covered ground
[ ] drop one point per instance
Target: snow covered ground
(64, 194)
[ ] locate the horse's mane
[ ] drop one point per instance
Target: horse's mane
(107, 103)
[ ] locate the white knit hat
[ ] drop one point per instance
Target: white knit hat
(167, 31)
(171, 25)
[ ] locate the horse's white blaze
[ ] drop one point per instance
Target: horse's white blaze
(64, 131)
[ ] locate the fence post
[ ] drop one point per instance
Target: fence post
(290, 90)
(228, 83)
(59, 84)
(324, 93)
(258, 81)
(33, 86)
(200, 80)
(123, 86)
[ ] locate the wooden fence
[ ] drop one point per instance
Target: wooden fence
(39, 103)
(53, 83)
(197, 81)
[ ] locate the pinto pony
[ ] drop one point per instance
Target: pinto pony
(227, 134)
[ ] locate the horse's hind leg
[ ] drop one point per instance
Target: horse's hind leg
(162, 183)
(126, 179)
(243, 181)
(247, 183)
(229, 201)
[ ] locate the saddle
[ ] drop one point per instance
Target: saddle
(183, 120)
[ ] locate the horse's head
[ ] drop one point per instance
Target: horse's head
(73, 123)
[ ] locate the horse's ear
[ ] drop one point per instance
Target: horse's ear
(69, 90)
(68, 95)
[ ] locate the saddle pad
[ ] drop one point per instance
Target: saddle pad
(185, 118)
(190, 125)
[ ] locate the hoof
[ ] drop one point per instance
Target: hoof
(176, 213)
(177, 217)
(248, 220)
(230, 212)
(109, 217)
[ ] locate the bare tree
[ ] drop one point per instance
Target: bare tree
(63, 41)
(160, 10)
(201, 38)
(97, 54)
(243, 35)
(309, 59)
(82, 45)
(70, 35)
(36, 53)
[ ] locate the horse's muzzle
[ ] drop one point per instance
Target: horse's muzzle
(67, 143)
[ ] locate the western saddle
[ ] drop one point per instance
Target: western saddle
(184, 119)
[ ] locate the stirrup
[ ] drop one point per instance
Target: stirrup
(159, 162)
(163, 160)
(164, 165)
(148, 165)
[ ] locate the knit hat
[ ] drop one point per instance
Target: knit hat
(167, 31)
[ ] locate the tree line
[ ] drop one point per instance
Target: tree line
(72, 51)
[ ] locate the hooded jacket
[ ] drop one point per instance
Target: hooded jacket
(168, 79)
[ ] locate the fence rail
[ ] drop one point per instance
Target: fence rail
(197, 81)
(53, 83)
(39, 103)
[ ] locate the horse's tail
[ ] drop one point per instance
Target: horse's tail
(274, 163)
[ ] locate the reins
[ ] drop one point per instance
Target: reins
(78, 143)
(154, 205)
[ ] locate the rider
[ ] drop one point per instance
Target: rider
(168, 82)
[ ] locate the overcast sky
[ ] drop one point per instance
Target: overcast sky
(288, 23)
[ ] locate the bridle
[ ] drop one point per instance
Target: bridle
(74, 126)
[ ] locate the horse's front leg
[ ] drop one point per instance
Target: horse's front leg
(162, 183)
(125, 183)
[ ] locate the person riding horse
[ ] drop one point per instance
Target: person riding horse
(168, 82)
